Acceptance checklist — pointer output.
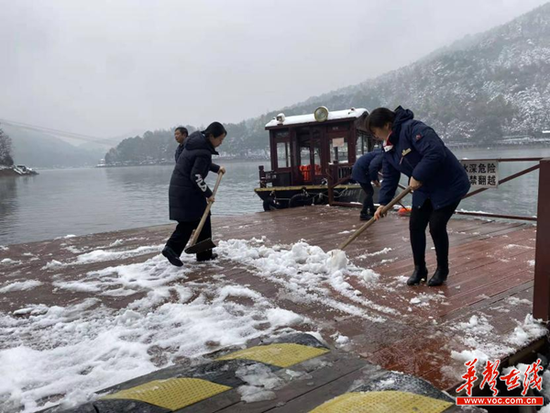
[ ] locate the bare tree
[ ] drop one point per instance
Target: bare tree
(5, 149)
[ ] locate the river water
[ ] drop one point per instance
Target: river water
(57, 203)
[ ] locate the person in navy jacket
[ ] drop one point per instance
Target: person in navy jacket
(188, 193)
(436, 176)
(365, 170)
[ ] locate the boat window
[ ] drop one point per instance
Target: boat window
(362, 144)
(365, 143)
(317, 153)
(338, 149)
(304, 155)
(283, 155)
(317, 158)
(316, 135)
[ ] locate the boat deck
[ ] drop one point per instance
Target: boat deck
(423, 331)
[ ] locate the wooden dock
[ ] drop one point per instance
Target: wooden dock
(491, 283)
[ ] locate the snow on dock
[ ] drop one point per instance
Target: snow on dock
(78, 314)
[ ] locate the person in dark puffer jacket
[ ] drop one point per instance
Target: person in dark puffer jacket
(188, 192)
(365, 170)
(180, 134)
(435, 174)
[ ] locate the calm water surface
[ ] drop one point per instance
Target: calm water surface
(83, 201)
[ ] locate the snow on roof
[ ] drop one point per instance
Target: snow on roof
(309, 118)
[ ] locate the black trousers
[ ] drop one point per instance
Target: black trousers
(181, 236)
(368, 203)
(438, 219)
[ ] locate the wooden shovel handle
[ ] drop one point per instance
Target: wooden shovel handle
(371, 221)
(206, 212)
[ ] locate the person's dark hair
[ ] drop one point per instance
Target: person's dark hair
(360, 123)
(378, 118)
(182, 130)
(215, 129)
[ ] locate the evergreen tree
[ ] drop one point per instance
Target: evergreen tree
(6, 158)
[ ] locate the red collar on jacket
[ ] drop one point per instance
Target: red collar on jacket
(388, 146)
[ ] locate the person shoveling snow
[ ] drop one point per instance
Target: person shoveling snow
(190, 198)
(435, 175)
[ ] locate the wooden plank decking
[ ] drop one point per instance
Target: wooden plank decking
(491, 277)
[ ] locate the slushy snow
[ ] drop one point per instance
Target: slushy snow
(9, 261)
(20, 286)
(72, 351)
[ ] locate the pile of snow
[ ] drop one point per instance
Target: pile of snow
(477, 335)
(526, 331)
(470, 355)
(338, 261)
(340, 340)
(306, 273)
(260, 383)
(522, 370)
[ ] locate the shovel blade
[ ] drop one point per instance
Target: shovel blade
(201, 246)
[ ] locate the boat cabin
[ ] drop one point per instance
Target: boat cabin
(306, 149)
(309, 153)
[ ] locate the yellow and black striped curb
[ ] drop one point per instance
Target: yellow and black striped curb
(171, 394)
(390, 391)
(279, 354)
(383, 402)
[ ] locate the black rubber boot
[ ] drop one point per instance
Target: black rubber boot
(420, 273)
(439, 277)
(172, 257)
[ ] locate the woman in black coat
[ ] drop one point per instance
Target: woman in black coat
(189, 193)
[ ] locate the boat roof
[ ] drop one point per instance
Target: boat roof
(310, 118)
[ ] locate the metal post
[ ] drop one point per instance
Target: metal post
(541, 296)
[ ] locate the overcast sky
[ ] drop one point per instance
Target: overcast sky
(105, 68)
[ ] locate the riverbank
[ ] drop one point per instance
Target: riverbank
(217, 159)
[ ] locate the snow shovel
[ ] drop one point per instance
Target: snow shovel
(373, 220)
(206, 244)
